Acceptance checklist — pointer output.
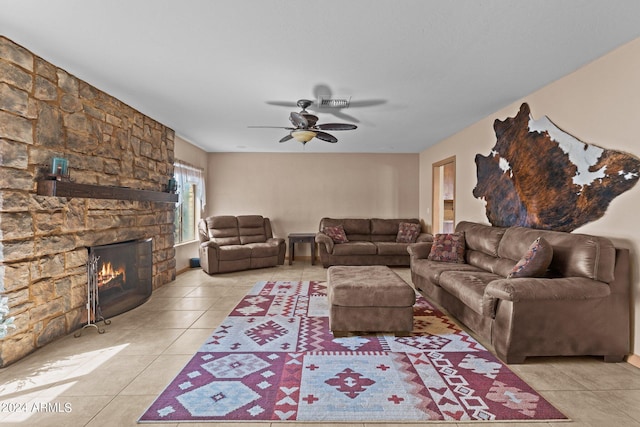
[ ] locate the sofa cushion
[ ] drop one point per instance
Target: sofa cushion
(499, 266)
(355, 248)
(480, 237)
(386, 230)
(468, 287)
(355, 228)
(222, 221)
(261, 250)
(384, 226)
(535, 261)
(408, 232)
(391, 248)
(433, 269)
(251, 229)
(223, 230)
(336, 233)
(234, 252)
(448, 247)
(574, 255)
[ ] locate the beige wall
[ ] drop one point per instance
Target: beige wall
(296, 190)
(599, 104)
(195, 156)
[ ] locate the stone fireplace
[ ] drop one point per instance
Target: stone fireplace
(47, 112)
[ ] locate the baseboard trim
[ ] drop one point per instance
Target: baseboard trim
(298, 258)
(634, 360)
(178, 272)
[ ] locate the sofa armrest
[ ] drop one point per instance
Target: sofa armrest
(419, 250)
(563, 288)
(279, 242)
(209, 244)
(424, 237)
(209, 256)
(275, 240)
(322, 238)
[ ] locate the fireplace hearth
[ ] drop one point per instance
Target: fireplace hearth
(123, 275)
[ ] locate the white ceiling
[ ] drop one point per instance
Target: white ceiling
(210, 68)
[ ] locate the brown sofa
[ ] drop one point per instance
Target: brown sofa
(579, 307)
(233, 243)
(370, 242)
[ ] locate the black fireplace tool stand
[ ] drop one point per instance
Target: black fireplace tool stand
(94, 312)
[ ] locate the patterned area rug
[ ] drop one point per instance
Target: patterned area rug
(274, 358)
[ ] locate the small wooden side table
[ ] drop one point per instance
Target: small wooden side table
(302, 238)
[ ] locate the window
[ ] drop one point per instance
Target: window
(185, 219)
(191, 201)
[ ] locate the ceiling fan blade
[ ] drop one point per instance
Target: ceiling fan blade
(326, 137)
(336, 126)
(311, 119)
(282, 103)
(286, 138)
(367, 103)
(298, 120)
(271, 127)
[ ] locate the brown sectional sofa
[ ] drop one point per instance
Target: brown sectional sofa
(580, 307)
(233, 243)
(371, 242)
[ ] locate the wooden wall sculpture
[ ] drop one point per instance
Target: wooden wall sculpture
(538, 176)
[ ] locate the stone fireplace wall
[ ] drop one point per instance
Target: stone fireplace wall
(46, 112)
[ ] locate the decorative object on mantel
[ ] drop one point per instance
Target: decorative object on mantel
(59, 169)
(94, 313)
(172, 186)
(539, 176)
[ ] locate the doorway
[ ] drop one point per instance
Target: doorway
(444, 190)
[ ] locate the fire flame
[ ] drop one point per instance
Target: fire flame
(108, 272)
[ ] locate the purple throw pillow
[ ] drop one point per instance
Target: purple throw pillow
(336, 233)
(535, 261)
(448, 248)
(408, 232)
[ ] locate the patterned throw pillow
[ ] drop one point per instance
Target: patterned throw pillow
(448, 248)
(535, 261)
(408, 232)
(336, 233)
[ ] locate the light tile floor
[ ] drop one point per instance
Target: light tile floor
(110, 379)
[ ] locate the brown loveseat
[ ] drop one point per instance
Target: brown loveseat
(370, 242)
(579, 307)
(233, 243)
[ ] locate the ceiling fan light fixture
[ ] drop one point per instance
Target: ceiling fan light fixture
(303, 136)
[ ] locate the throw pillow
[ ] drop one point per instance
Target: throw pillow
(535, 261)
(448, 248)
(336, 233)
(408, 232)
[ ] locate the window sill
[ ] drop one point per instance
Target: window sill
(188, 242)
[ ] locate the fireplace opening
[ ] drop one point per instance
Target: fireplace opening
(123, 275)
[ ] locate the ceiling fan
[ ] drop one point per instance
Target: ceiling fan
(306, 127)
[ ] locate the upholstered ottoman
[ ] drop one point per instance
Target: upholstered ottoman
(369, 299)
